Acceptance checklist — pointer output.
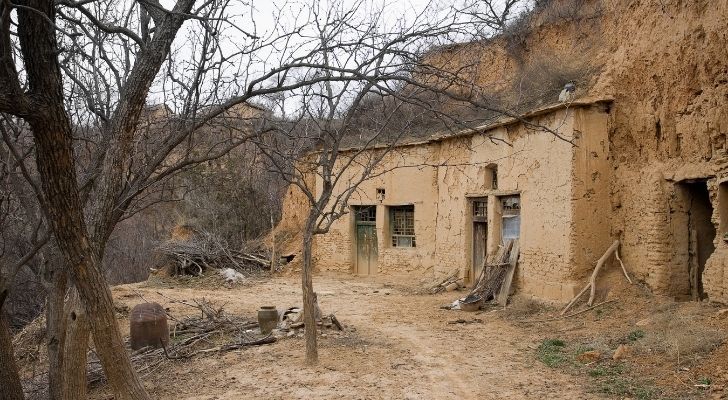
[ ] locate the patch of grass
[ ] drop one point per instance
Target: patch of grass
(551, 352)
(606, 370)
(582, 349)
(636, 335)
(706, 382)
(623, 387)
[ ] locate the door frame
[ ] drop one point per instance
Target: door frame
(372, 270)
(476, 217)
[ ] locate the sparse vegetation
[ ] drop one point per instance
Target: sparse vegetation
(606, 370)
(636, 335)
(705, 382)
(619, 386)
(551, 352)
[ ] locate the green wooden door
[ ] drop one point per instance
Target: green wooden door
(366, 249)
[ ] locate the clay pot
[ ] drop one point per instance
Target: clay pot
(267, 319)
(471, 303)
(148, 326)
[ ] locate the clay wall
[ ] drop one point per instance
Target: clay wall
(412, 181)
(556, 179)
(665, 65)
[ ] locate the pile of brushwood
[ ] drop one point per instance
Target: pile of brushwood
(496, 277)
(202, 250)
(210, 330)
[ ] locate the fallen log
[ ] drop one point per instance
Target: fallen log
(591, 285)
(233, 346)
(602, 260)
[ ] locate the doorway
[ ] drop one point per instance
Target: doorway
(699, 232)
(480, 235)
(366, 240)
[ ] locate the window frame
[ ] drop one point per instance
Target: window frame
(399, 240)
(511, 214)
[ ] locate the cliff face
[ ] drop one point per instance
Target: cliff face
(667, 68)
(665, 64)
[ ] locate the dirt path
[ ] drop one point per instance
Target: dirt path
(398, 346)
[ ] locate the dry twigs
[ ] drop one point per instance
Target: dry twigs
(574, 314)
(203, 250)
(493, 275)
(212, 330)
(449, 281)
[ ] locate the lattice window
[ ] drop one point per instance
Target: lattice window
(366, 214)
(480, 208)
(403, 226)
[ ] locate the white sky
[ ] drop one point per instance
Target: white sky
(269, 18)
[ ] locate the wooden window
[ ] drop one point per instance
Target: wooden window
(480, 208)
(402, 220)
(366, 213)
(511, 212)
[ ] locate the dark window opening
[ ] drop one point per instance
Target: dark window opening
(494, 177)
(381, 194)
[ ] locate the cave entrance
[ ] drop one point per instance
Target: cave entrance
(699, 232)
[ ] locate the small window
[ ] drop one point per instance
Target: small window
(403, 226)
(494, 176)
(511, 212)
(480, 208)
(381, 193)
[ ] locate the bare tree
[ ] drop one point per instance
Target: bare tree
(76, 76)
(377, 88)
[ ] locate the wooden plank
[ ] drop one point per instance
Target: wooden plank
(506, 286)
(693, 266)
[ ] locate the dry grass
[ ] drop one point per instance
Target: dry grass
(681, 334)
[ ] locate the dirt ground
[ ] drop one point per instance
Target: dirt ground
(401, 345)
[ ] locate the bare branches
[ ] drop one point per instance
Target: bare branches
(108, 28)
(493, 15)
(12, 98)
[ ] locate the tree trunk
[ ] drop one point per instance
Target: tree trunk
(53, 137)
(75, 350)
(10, 386)
(56, 328)
(309, 311)
(55, 280)
(55, 164)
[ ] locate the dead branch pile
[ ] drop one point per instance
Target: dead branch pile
(451, 282)
(203, 250)
(490, 283)
(211, 330)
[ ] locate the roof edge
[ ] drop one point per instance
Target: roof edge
(501, 122)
